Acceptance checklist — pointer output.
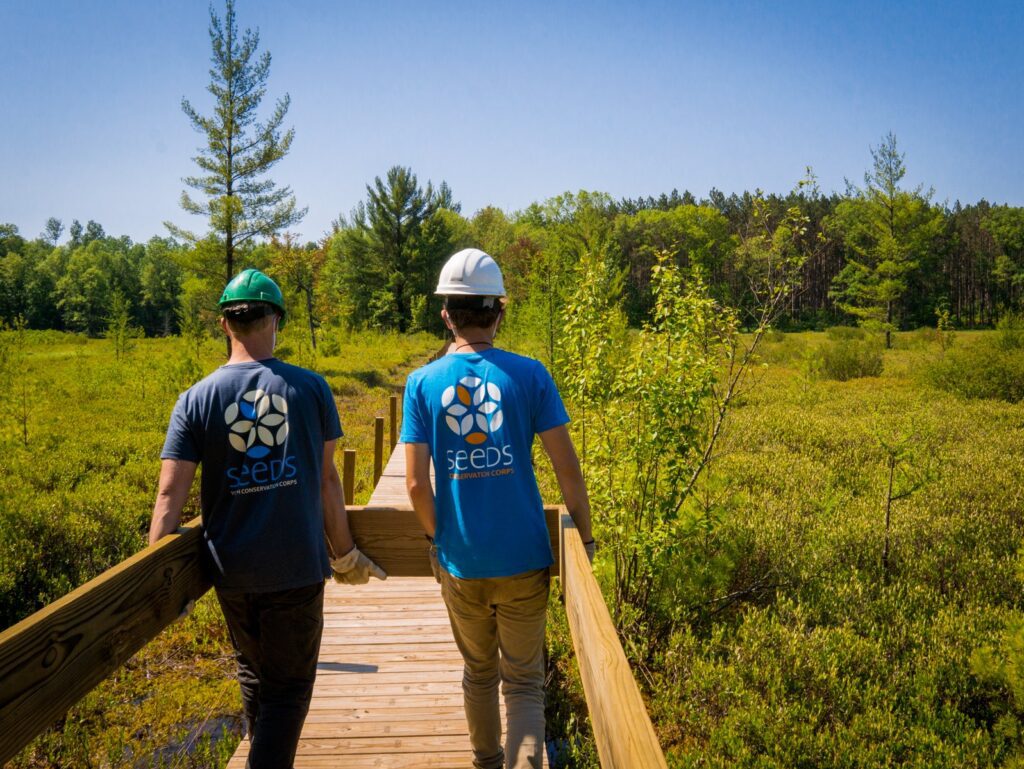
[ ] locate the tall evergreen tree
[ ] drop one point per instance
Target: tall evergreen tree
(241, 203)
(392, 249)
(888, 231)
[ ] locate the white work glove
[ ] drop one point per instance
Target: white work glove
(591, 548)
(354, 568)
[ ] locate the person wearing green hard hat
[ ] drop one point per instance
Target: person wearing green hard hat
(252, 295)
(273, 509)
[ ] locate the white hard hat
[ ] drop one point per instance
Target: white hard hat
(470, 272)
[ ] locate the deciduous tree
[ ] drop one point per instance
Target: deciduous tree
(160, 277)
(53, 230)
(299, 269)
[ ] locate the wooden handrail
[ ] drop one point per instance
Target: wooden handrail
(623, 731)
(53, 658)
(392, 537)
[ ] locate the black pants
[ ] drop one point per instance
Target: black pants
(277, 641)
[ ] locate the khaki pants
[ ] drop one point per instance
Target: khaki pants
(499, 625)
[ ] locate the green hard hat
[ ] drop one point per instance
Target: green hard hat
(253, 286)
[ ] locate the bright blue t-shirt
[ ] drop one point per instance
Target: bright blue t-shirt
(479, 412)
(258, 429)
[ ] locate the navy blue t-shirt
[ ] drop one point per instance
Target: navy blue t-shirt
(259, 429)
(479, 412)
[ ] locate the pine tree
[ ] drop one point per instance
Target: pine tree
(242, 203)
(888, 231)
(388, 256)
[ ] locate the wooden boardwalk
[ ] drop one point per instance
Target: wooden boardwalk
(388, 691)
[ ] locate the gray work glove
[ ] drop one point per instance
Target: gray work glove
(591, 548)
(354, 568)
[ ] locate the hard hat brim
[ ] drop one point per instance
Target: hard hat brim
(460, 290)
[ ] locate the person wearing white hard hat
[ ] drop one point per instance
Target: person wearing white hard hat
(475, 413)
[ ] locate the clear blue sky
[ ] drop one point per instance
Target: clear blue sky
(511, 102)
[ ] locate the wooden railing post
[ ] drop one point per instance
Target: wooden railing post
(394, 421)
(378, 449)
(348, 476)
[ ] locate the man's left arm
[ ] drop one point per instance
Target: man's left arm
(566, 464)
(417, 485)
(176, 477)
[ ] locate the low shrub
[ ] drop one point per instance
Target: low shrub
(329, 344)
(923, 338)
(1010, 332)
(782, 691)
(781, 349)
(47, 337)
(987, 370)
(849, 359)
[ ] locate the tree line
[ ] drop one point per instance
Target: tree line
(878, 255)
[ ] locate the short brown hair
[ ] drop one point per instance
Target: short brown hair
(473, 311)
(246, 318)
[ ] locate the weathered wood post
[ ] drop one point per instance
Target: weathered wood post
(348, 476)
(378, 449)
(394, 421)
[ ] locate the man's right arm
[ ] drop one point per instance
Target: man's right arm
(176, 477)
(339, 538)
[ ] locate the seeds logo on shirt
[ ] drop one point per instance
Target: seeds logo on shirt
(472, 409)
(257, 423)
